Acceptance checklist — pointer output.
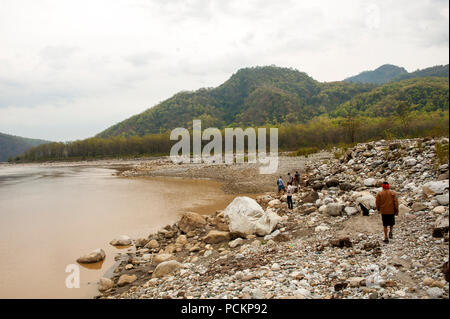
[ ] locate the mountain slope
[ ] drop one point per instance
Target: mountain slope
(417, 94)
(11, 146)
(438, 70)
(381, 75)
(252, 96)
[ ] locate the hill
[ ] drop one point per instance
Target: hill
(381, 75)
(416, 95)
(438, 70)
(252, 96)
(272, 95)
(11, 146)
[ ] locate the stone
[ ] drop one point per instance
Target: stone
(428, 281)
(435, 292)
(370, 182)
(235, 243)
(441, 226)
(350, 211)
(159, 258)
(274, 203)
(332, 183)
(334, 209)
(410, 161)
(435, 187)
(445, 270)
(443, 176)
(346, 187)
(216, 236)
(310, 197)
(273, 235)
(317, 186)
(93, 257)
(403, 209)
(439, 210)
(122, 240)
(366, 199)
(165, 268)
(321, 228)
(126, 280)
(141, 242)
(105, 284)
(181, 241)
(417, 207)
(442, 199)
(356, 281)
(190, 221)
(341, 242)
(275, 267)
(152, 244)
(245, 216)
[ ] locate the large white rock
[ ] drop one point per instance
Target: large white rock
(246, 216)
(435, 187)
(365, 198)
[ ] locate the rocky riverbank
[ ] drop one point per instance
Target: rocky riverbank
(324, 248)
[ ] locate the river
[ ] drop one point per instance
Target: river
(51, 215)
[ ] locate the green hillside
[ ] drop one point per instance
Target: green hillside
(272, 95)
(438, 70)
(415, 95)
(11, 146)
(252, 96)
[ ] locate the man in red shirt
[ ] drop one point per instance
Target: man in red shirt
(387, 205)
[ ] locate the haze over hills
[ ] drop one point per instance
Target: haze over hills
(11, 146)
(273, 95)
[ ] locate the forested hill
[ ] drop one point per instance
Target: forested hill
(381, 75)
(273, 95)
(252, 96)
(11, 146)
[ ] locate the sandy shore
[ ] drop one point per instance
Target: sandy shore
(237, 179)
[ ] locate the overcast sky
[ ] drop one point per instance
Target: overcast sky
(70, 69)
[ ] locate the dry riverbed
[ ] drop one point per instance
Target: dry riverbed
(324, 248)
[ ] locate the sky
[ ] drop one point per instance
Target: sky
(70, 69)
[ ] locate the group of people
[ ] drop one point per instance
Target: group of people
(292, 186)
(386, 202)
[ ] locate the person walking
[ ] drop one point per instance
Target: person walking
(290, 179)
(280, 184)
(387, 205)
(290, 192)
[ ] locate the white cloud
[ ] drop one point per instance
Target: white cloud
(79, 66)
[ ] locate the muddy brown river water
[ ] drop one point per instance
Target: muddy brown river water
(49, 216)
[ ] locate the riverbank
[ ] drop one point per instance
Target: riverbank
(324, 248)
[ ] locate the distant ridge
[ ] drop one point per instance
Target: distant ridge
(381, 75)
(11, 145)
(390, 73)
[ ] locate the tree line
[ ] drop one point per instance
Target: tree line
(320, 132)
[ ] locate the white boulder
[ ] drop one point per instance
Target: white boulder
(246, 216)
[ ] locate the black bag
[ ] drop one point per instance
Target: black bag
(364, 210)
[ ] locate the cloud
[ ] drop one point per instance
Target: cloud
(80, 66)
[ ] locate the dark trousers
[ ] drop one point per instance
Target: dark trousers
(289, 202)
